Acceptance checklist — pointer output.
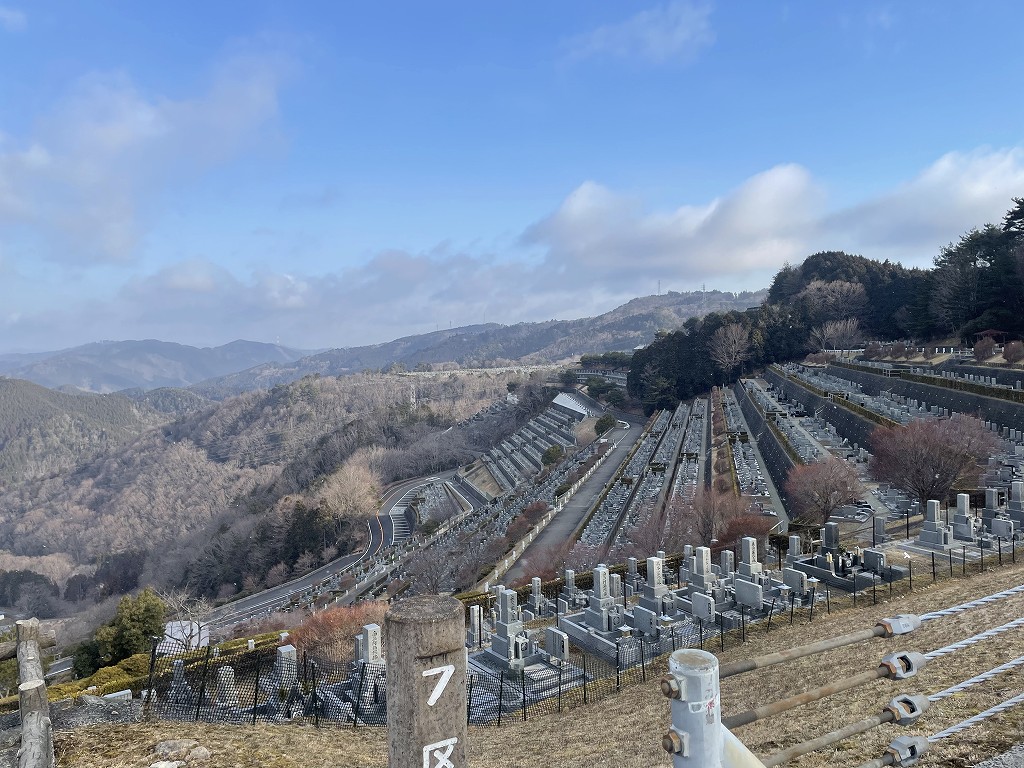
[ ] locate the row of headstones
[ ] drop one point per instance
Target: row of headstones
(1002, 522)
(976, 378)
(283, 696)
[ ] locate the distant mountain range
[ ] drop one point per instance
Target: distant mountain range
(111, 366)
(623, 328)
(138, 367)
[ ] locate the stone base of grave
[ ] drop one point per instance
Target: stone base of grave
(849, 583)
(598, 643)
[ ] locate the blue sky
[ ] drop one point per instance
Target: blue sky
(332, 174)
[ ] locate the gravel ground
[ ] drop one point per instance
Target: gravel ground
(67, 715)
(1012, 759)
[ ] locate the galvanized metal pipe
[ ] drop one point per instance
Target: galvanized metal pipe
(696, 736)
(783, 705)
(829, 738)
(770, 659)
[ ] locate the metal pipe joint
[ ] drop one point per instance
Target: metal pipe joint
(903, 664)
(900, 624)
(907, 750)
(907, 709)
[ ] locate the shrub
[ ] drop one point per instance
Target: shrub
(329, 633)
(1013, 352)
(984, 348)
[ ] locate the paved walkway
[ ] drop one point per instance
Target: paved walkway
(565, 522)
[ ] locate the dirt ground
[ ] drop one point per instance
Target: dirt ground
(625, 729)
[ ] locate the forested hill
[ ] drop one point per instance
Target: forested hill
(110, 366)
(836, 299)
(246, 491)
(44, 433)
(623, 328)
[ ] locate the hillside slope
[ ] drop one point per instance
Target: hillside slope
(625, 728)
(623, 328)
(271, 479)
(44, 433)
(109, 366)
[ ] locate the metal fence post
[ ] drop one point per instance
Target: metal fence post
(643, 663)
(695, 738)
(316, 699)
(584, 678)
(359, 696)
(469, 702)
(501, 693)
(560, 687)
(522, 684)
(618, 657)
(147, 709)
(933, 567)
(255, 690)
(202, 683)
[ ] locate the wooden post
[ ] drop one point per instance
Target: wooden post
(426, 682)
(30, 665)
(36, 734)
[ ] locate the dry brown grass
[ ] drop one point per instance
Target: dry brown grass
(625, 729)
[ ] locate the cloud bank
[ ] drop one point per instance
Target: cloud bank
(597, 249)
(79, 190)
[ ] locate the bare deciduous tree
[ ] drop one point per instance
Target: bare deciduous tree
(700, 521)
(1013, 352)
(191, 612)
(429, 571)
(833, 300)
(928, 458)
(984, 348)
(730, 346)
(836, 334)
(817, 490)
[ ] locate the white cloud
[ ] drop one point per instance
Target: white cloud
(12, 19)
(81, 186)
(603, 236)
(676, 31)
(599, 248)
(955, 193)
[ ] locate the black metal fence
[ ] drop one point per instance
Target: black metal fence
(269, 685)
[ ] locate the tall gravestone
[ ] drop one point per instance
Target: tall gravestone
(965, 526)
(934, 534)
(601, 613)
(749, 564)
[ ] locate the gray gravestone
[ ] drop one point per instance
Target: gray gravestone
(703, 606)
